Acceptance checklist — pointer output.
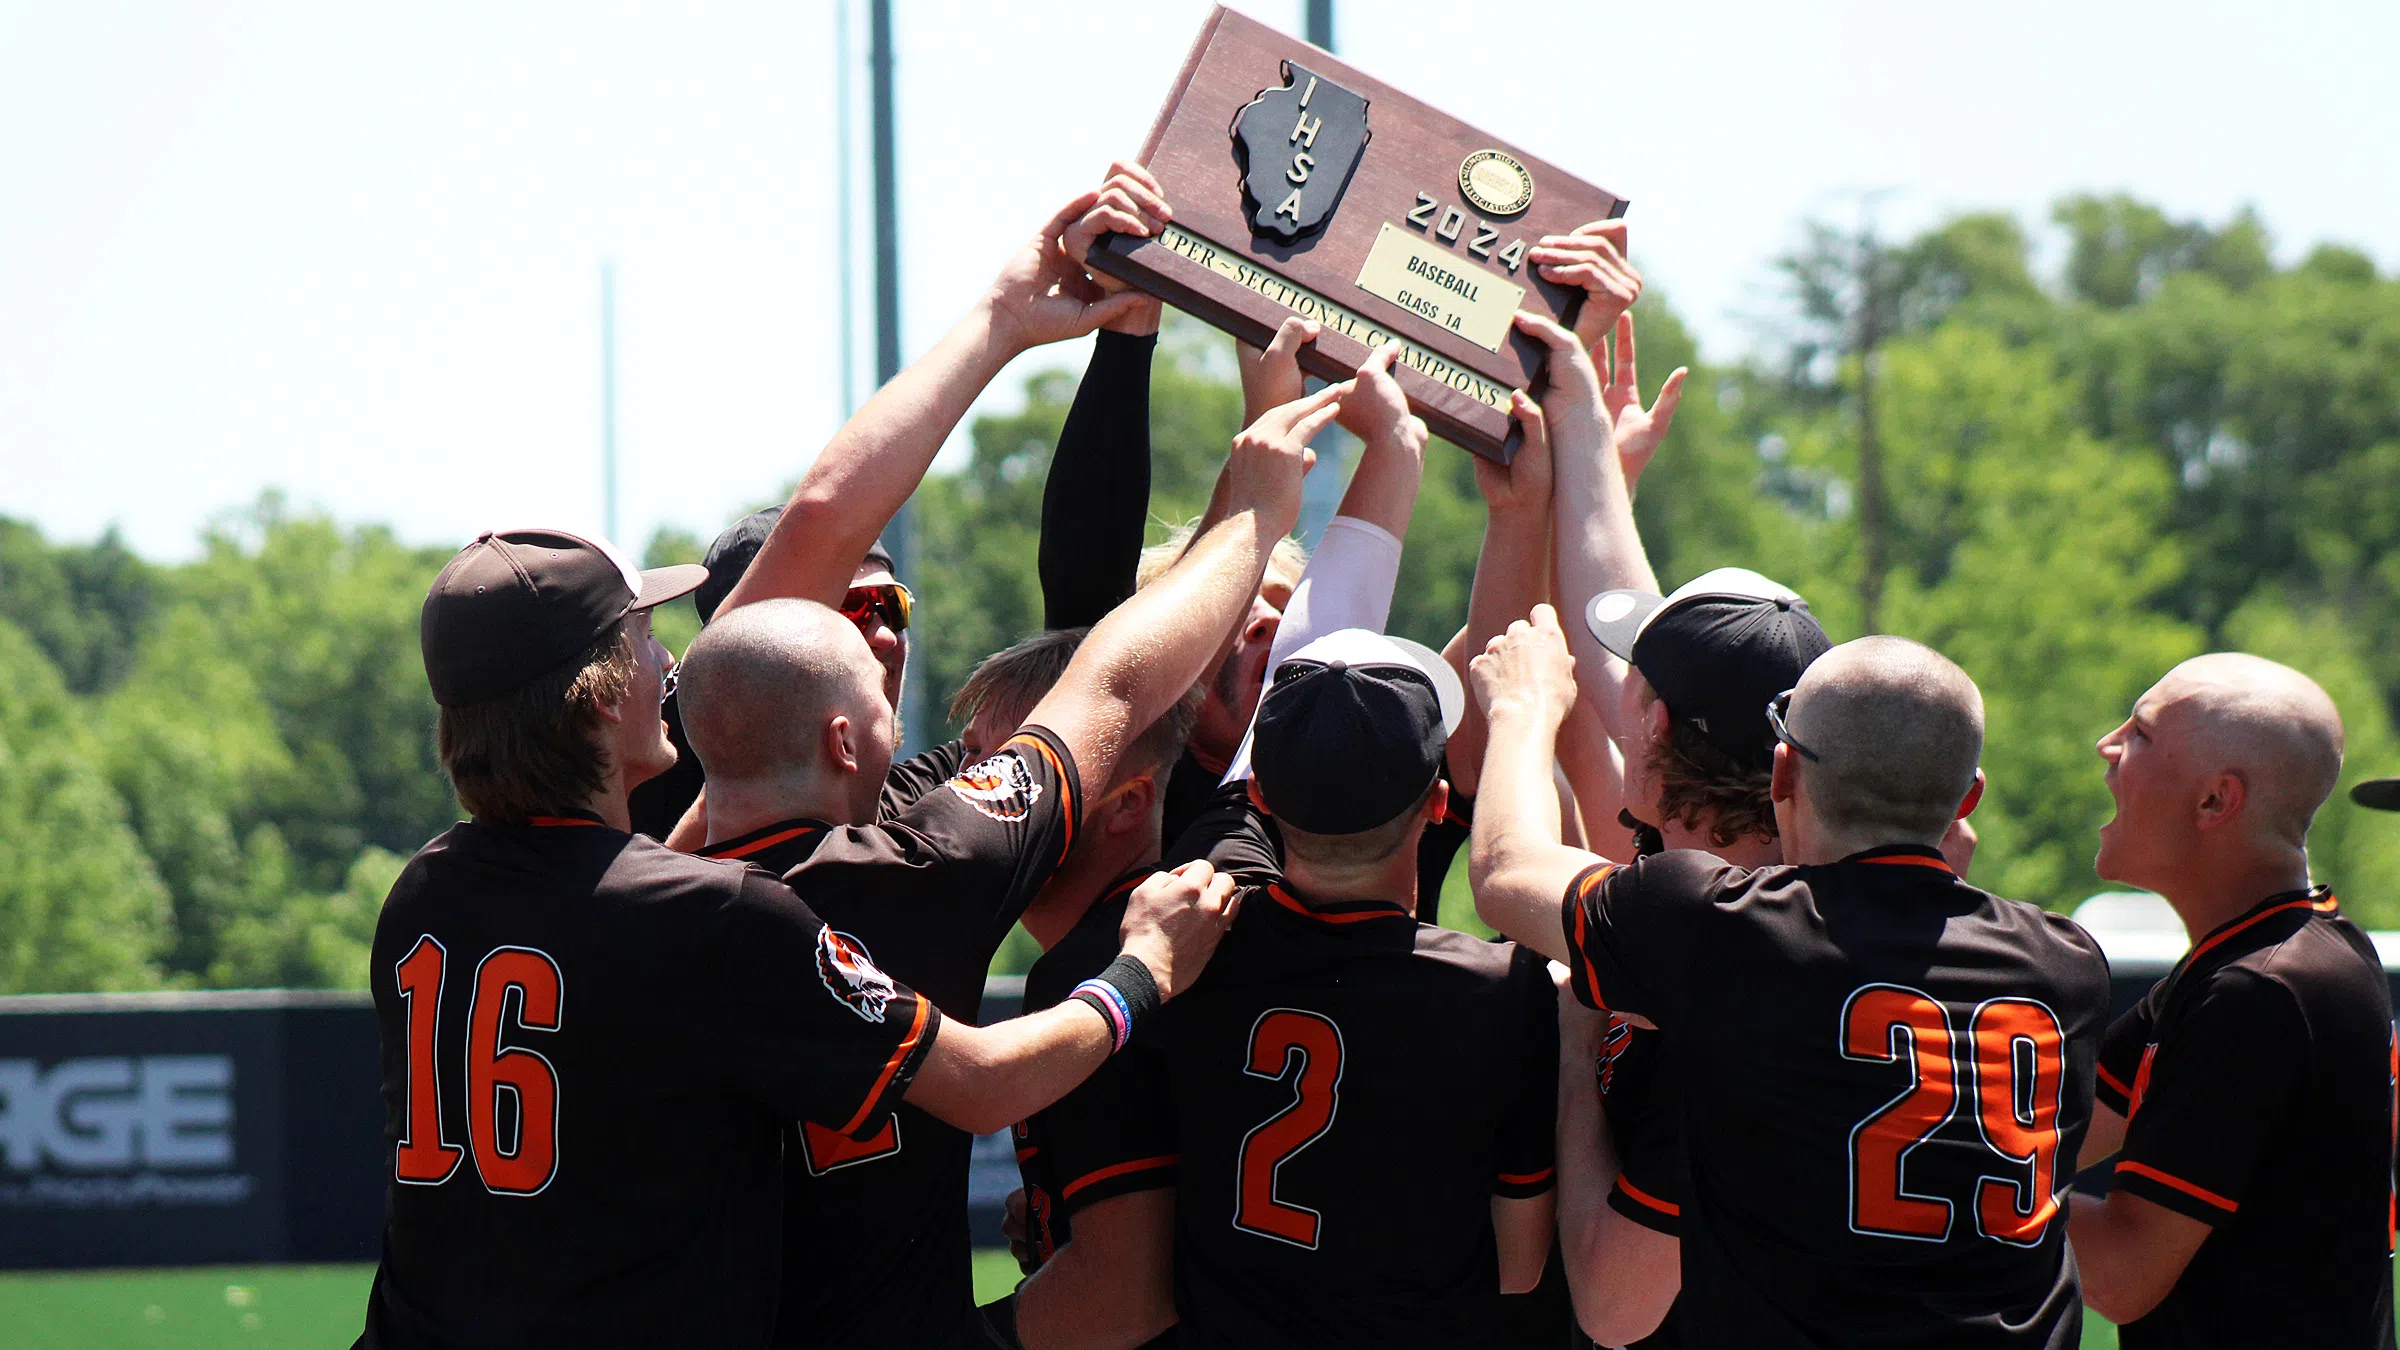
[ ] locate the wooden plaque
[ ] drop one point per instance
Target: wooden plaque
(1302, 185)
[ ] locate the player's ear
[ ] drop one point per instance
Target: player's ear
(1784, 785)
(1126, 808)
(841, 744)
(1437, 801)
(2224, 796)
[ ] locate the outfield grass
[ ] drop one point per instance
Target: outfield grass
(299, 1307)
(254, 1307)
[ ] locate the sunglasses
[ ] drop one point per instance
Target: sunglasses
(889, 599)
(1776, 708)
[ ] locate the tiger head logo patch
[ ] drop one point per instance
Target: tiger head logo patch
(851, 976)
(1001, 787)
(1612, 1048)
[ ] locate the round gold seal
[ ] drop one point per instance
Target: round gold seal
(1495, 183)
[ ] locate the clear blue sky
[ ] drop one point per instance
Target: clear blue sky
(353, 251)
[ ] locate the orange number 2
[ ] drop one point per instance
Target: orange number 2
(1305, 1047)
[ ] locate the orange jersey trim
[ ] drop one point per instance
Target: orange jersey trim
(1073, 815)
(2113, 1081)
(1526, 1179)
(557, 822)
(1382, 910)
(2164, 1179)
(2324, 906)
(891, 1066)
(1907, 860)
(1642, 1197)
(1118, 1170)
(1575, 897)
(760, 845)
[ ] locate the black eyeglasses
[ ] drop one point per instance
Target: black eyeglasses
(1776, 707)
(889, 599)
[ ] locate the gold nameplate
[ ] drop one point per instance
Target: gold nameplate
(1233, 265)
(1435, 286)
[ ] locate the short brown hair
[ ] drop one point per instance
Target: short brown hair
(531, 751)
(1014, 679)
(1364, 848)
(1699, 784)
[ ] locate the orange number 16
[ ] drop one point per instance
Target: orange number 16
(2013, 1066)
(512, 985)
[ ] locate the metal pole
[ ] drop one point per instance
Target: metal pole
(842, 135)
(608, 399)
(1320, 23)
(1321, 491)
(900, 535)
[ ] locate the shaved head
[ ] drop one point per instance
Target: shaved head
(760, 682)
(1897, 729)
(2267, 724)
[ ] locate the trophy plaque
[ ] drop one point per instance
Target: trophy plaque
(1301, 185)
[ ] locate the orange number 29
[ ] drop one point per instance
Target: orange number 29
(2013, 1065)
(514, 987)
(1305, 1047)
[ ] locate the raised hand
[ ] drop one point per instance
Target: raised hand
(1526, 671)
(1131, 202)
(1374, 409)
(1173, 922)
(1573, 397)
(1272, 377)
(1043, 295)
(1639, 430)
(1523, 484)
(1271, 455)
(1592, 257)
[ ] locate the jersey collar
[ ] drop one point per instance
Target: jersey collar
(568, 819)
(1337, 913)
(1903, 855)
(2314, 900)
(761, 839)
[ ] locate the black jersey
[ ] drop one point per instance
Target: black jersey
(1114, 1134)
(1192, 791)
(1885, 1078)
(589, 1044)
(2256, 1081)
(876, 1249)
(1307, 1067)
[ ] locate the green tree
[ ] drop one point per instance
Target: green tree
(84, 605)
(80, 905)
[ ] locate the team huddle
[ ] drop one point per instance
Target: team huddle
(682, 1036)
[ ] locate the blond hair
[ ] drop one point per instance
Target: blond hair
(1011, 681)
(1284, 565)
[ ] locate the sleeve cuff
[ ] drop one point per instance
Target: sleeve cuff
(1651, 1212)
(1125, 1178)
(2110, 1091)
(1525, 1185)
(2169, 1191)
(898, 1072)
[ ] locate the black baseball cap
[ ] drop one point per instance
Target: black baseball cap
(1717, 650)
(1351, 729)
(729, 557)
(516, 603)
(2381, 794)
